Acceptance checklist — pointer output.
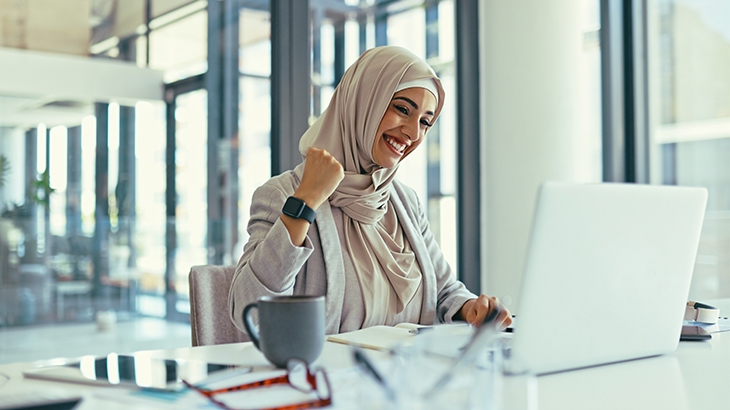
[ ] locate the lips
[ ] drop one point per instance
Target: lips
(397, 146)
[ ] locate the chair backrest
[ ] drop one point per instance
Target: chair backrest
(209, 320)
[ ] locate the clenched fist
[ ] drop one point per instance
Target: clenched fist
(322, 174)
(475, 310)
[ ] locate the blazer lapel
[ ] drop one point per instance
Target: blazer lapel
(333, 265)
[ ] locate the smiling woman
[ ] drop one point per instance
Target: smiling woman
(369, 249)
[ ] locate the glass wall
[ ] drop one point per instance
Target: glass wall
(191, 210)
(172, 237)
(689, 112)
(151, 217)
(254, 113)
(589, 164)
(179, 48)
(83, 182)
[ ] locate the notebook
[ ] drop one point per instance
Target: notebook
(607, 274)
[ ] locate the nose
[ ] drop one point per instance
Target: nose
(411, 129)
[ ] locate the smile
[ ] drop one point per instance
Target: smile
(397, 146)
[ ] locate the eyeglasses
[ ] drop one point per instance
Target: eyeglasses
(298, 376)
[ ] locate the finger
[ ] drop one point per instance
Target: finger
(504, 319)
(312, 151)
(480, 315)
(493, 306)
(482, 309)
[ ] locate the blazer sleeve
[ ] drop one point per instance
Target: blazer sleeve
(270, 262)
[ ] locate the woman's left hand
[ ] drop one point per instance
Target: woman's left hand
(475, 310)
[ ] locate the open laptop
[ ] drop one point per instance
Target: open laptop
(607, 274)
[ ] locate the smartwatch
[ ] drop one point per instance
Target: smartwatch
(298, 209)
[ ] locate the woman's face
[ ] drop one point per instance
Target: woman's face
(403, 127)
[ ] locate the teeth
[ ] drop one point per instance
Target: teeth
(398, 146)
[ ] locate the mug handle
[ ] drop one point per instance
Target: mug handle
(248, 322)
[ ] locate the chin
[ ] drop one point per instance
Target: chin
(388, 160)
(390, 164)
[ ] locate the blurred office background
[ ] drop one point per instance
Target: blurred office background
(133, 132)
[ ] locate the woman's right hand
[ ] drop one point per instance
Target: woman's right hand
(322, 174)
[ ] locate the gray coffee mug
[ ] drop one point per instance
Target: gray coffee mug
(289, 327)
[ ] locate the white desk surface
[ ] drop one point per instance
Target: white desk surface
(695, 376)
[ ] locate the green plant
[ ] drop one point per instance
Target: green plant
(39, 192)
(40, 189)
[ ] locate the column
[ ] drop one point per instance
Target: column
(530, 59)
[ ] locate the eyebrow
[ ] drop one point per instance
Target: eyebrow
(412, 103)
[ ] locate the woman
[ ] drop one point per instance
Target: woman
(370, 250)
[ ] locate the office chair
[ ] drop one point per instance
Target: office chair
(209, 319)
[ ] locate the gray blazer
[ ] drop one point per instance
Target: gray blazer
(271, 265)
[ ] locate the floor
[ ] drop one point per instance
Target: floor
(30, 343)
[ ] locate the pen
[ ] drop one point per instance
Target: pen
(368, 367)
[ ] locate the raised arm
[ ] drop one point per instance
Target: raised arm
(278, 247)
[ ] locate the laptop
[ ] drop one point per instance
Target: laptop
(607, 274)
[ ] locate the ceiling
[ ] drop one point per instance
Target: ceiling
(45, 83)
(28, 112)
(47, 76)
(56, 89)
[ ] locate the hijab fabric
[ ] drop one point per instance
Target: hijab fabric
(382, 257)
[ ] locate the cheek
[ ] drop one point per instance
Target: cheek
(378, 138)
(389, 121)
(377, 146)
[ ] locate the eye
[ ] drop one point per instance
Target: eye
(426, 123)
(402, 109)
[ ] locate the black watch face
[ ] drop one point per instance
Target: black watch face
(293, 207)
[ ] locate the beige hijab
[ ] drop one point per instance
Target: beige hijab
(384, 262)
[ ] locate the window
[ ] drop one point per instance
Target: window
(689, 113)
(254, 113)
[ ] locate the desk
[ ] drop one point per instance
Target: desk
(696, 376)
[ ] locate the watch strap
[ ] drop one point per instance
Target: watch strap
(298, 209)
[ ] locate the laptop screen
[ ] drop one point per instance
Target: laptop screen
(607, 273)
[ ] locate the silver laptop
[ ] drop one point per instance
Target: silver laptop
(607, 274)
